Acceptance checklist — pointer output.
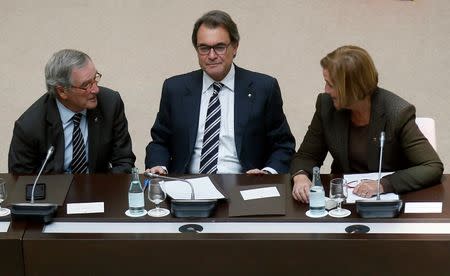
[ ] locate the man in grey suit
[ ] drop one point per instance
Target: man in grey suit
(222, 118)
(84, 122)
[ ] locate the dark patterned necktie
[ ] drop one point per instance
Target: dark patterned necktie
(210, 149)
(79, 161)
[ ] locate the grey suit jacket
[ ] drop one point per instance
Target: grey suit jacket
(406, 150)
(39, 127)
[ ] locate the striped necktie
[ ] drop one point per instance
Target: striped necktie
(210, 149)
(79, 161)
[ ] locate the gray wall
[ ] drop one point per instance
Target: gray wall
(137, 44)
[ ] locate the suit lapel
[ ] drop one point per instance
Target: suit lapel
(55, 137)
(243, 101)
(341, 136)
(94, 120)
(377, 125)
(190, 106)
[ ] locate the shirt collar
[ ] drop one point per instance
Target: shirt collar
(228, 81)
(65, 113)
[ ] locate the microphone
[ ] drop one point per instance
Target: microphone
(35, 211)
(49, 153)
(379, 208)
(379, 165)
(183, 208)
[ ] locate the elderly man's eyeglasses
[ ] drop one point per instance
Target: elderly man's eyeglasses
(91, 84)
(219, 49)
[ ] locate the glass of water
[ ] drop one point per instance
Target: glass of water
(338, 192)
(157, 195)
(3, 196)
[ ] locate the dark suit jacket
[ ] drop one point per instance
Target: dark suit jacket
(262, 134)
(40, 127)
(406, 150)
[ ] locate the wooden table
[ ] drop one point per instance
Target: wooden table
(251, 253)
(11, 257)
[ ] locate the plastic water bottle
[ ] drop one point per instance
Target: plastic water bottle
(316, 194)
(135, 194)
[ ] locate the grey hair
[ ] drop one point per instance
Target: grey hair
(58, 69)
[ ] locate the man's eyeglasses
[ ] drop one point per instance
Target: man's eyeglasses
(219, 49)
(89, 86)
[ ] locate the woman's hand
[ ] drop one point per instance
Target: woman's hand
(367, 188)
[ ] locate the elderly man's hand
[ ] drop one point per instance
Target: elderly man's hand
(300, 191)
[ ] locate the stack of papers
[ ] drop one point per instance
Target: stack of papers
(203, 189)
(351, 198)
(352, 178)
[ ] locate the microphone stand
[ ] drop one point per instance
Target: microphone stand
(379, 208)
(183, 208)
(379, 164)
(43, 212)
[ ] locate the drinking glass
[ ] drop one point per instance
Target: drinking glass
(3, 195)
(157, 195)
(338, 192)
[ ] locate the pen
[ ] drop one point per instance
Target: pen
(146, 183)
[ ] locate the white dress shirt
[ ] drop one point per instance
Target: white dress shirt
(67, 124)
(228, 161)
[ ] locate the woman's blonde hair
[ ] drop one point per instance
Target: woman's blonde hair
(352, 73)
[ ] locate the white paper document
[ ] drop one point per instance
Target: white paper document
(354, 179)
(260, 193)
(423, 207)
(85, 208)
(4, 226)
(203, 189)
(351, 198)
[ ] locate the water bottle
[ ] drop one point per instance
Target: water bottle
(135, 194)
(316, 194)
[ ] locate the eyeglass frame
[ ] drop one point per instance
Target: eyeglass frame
(97, 78)
(354, 183)
(213, 47)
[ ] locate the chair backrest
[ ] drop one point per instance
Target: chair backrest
(428, 128)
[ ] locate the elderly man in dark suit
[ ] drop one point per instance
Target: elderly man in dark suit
(84, 122)
(222, 118)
